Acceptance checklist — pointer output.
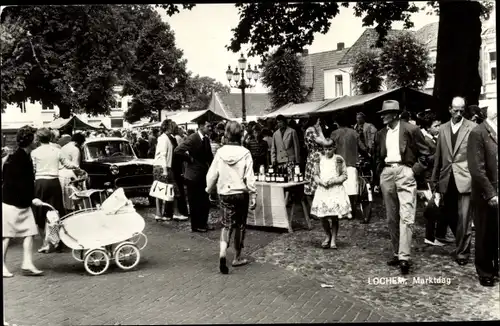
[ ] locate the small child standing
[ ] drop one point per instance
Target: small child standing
(331, 201)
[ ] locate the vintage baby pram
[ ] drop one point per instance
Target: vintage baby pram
(98, 235)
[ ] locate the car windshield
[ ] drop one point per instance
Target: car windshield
(105, 149)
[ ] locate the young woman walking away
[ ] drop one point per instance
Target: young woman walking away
(232, 172)
(331, 201)
(18, 190)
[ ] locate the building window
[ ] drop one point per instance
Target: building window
(117, 104)
(493, 56)
(22, 106)
(338, 86)
(117, 123)
(48, 107)
(493, 73)
(129, 104)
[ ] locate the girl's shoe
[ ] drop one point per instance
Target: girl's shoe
(158, 218)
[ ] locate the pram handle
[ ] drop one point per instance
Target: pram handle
(49, 206)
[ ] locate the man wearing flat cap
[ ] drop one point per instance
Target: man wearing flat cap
(401, 154)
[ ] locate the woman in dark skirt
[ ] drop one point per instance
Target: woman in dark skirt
(18, 196)
(46, 162)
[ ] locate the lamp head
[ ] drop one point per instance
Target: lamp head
(242, 62)
(229, 73)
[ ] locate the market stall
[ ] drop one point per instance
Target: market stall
(409, 99)
(70, 124)
(188, 117)
(299, 109)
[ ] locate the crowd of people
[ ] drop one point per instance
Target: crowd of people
(454, 163)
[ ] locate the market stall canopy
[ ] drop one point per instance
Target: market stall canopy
(73, 121)
(300, 109)
(99, 125)
(409, 99)
(192, 116)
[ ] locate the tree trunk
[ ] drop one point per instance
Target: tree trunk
(457, 61)
(64, 111)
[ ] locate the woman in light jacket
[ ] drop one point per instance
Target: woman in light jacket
(162, 168)
(232, 173)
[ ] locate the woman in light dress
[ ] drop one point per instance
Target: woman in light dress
(314, 141)
(331, 201)
(18, 191)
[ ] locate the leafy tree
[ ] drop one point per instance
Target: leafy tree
(293, 25)
(367, 72)
(200, 90)
(267, 25)
(69, 56)
(158, 78)
(405, 61)
(283, 73)
(73, 56)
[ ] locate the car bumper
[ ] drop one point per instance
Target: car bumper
(136, 191)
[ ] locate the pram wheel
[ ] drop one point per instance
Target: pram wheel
(127, 255)
(140, 240)
(78, 254)
(96, 261)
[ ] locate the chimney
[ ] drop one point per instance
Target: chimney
(305, 52)
(340, 46)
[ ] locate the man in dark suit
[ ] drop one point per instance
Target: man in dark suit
(348, 143)
(435, 230)
(401, 154)
(285, 146)
(451, 178)
(198, 154)
(482, 157)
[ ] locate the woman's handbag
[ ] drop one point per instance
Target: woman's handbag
(162, 191)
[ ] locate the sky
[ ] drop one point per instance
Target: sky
(204, 31)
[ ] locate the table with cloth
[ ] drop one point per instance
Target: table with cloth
(272, 201)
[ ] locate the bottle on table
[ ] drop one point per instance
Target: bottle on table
(262, 173)
(272, 175)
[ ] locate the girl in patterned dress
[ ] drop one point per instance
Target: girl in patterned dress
(314, 141)
(331, 201)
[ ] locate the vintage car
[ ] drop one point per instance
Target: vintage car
(111, 163)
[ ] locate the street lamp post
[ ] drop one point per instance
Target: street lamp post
(241, 83)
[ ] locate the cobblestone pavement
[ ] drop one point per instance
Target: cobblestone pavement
(361, 257)
(176, 282)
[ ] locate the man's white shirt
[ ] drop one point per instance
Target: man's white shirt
(392, 145)
(456, 126)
